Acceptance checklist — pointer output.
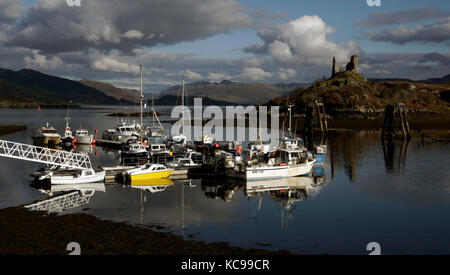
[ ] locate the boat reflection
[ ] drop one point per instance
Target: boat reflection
(64, 197)
(153, 186)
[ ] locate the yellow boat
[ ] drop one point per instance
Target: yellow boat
(153, 182)
(149, 172)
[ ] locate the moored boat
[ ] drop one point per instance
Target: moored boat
(148, 172)
(47, 135)
(82, 136)
(72, 176)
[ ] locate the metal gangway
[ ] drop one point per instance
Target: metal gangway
(43, 155)
(63, 202)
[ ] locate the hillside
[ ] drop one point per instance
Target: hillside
(350, 95)
(170, 100)
(37, 88)
(235, 92)
(110, 90)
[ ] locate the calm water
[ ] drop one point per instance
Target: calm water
(396, 196)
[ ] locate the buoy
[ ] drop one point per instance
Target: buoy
(94, 141)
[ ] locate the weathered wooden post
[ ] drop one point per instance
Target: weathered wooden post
(396, 125)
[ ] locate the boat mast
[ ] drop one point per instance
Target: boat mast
(67, 116)
(182, 100)
(290, 116)
(142, 124)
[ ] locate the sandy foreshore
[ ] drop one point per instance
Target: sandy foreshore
(25, 232)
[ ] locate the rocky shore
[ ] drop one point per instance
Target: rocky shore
(36, 233)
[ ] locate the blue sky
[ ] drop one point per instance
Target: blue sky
(335, 13)
(224, 39)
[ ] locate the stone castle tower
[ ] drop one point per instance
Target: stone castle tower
(336, 68)
(351, 66)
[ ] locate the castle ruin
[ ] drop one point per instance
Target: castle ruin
(352, 66)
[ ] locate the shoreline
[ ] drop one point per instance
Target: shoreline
(99, 237)
(6, 129)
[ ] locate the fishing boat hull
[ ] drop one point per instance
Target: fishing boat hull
(300, 169)
(84, 139)
(150, 176)
(42, 140)
(271, 172)
(96, 177)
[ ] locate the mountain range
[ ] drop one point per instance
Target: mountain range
(245, 93)
(30, 88)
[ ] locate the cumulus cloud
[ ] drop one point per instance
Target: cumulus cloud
(285, 74)
(255, 74)
(133, 34)
(39, 61)
(437, 32)
(53, 26)
(192, 75)
(11, 9)
(379, 18)
(302, 41)
(217, 76)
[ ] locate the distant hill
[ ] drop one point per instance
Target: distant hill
(234, 92)
(33, 86)
(441, 80)
(111, 90)
(171, 100)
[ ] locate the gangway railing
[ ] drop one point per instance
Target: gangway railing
(63, 202)
(44, 155)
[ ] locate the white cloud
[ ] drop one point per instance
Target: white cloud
(217, 76)
(113, 65)
(437, 32)
(39, 61)
(133, 34)
(303, 41)
(255, 74)
(285, 74)
(192, 75)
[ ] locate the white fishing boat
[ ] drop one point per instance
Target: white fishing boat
(82, 136)
(47, 135)
(135, 150)
(72, 176)
(290, 160)
(68, 135)
(123, 132)
(159, 152)
(187, 161)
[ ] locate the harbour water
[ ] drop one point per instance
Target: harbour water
(398, 196)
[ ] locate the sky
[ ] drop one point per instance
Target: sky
(212, 40)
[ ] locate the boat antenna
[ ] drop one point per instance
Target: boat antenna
(142, 124)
